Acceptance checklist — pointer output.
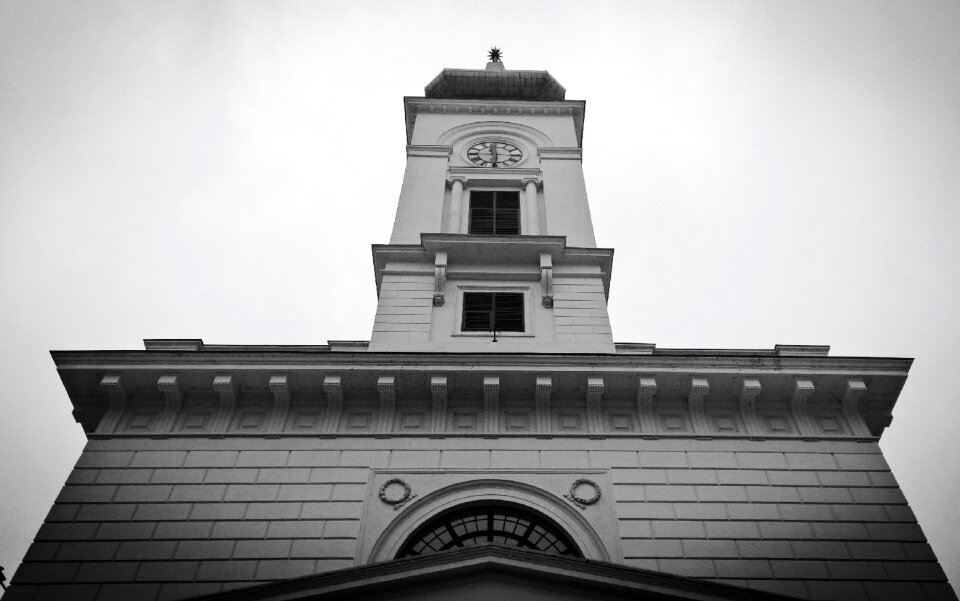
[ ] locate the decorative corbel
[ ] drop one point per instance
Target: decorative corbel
(749, 393)
(172, 398)
(802, 393)
(594, 415)
(646, 391)
(439, 279)
(699, 388)
(228, 402)
(112, 385)
(281, 402)
(491, 406)
(853, 392)
(386, 385)
(546, 280)
(333, 388)
(544, 388)
(438, 387)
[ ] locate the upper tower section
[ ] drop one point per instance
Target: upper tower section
(493, 127)
(493, 246)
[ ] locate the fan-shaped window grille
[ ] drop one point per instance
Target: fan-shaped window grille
(479, 525)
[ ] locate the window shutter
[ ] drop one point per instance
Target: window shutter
(477, 312)
(508, 312)
(482, 212)
(507, 218)
(494, 213)
(492, 311)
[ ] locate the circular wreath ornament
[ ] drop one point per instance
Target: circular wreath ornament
(388, 493)
(575, 496)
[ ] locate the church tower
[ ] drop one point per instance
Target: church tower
(493, 240)
(491, 440)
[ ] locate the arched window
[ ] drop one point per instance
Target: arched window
(479, 525)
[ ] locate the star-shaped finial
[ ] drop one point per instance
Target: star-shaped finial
(494, 55)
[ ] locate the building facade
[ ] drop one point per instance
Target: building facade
(491, 438)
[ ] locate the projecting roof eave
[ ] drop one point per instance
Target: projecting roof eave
(471, 249)
(95, 381)
(461, 568)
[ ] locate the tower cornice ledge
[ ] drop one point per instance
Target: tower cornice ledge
(469, 249)
(500, 107)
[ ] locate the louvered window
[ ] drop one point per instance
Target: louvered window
(494, 213)
(492, 312)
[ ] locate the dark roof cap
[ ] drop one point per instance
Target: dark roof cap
(495, 83)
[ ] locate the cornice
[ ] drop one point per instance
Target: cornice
(504, 109)
(561, 153)
(424, 150)
(465, 249)
(649, 396)
(487, 173)
(381, 580)
(735, 359)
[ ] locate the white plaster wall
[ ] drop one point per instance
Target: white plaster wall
(420, 208)
(431, 126)
(424, 200)
(407, 320)
(566, 209)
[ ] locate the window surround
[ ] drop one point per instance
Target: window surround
(468, 199)
(527, 310)
(491, 489)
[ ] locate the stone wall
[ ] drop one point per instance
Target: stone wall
(171, 518)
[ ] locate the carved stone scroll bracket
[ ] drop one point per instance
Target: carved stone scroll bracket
(228, 403)
(646, 391)
(803, 390)
(333, 388)
(854, 391)
(749, 396)
(583, 492)
(546, 280)
(544, 390)
(699, 388)
(491, 406)
(439, 279)
(594, 415)
(172, 398)
(281, 403)
(387, 387)
(438, 388)
(112, 385)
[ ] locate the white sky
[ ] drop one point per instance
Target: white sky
(768, 172)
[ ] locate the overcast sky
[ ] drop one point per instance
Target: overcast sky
(768, 172)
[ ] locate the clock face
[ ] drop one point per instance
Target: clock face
(494, 154)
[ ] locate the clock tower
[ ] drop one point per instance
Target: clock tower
(493, 247)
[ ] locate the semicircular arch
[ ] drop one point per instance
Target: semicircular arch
(457, 135)
(524, 495)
